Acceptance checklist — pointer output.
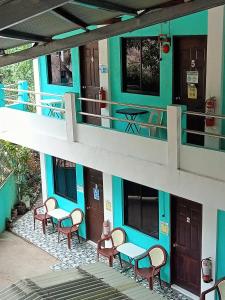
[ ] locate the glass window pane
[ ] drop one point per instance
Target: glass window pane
(60, 68)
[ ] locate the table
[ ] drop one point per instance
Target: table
(131, 251)
(131, 114)
(51, 103)
(58, 214)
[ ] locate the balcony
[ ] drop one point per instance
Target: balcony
(164, 161)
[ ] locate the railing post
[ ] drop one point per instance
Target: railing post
(174, 132)
(23, 96)
(70, 116)
(2, 95)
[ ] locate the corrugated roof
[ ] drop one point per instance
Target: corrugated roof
(40, 21)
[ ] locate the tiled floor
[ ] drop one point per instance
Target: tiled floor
(83, 253)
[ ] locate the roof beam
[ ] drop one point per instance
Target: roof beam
(18, 35)
(65, 15)
(109, 6)
(152, 18)
(16, 12)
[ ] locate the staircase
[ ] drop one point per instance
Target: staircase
(94, 281)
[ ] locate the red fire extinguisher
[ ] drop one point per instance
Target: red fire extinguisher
(207, 270)
(210, 108)
(102, 96)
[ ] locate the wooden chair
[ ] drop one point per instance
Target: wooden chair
(117, 237)
(157, 258)
(219, 286)
(76, 218)
(49, 204)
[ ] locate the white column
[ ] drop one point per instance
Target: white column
(215, 61)
(43, 177)
(104, 77)
(174, 114)
(70, 116)
(209, 242)
(37, 84)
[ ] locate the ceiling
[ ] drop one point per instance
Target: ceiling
(39, 22)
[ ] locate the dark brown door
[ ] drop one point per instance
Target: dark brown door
(186, 244)
(94, 203)
(190, 80)
(89, 64)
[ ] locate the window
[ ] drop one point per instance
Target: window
(60, 68)
(141, 208)
(141, 65)
(65, 179)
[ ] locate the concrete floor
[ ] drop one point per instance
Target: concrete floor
(19, 260)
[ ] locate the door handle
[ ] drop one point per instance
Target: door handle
(84, 87)
(175, 245)
(88, 207)
(177, 98)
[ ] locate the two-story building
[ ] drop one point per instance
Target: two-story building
(148, 159)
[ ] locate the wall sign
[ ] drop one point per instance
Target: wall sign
(192, 92)
(96, 192)
(164, 228)
(80, 188)
(108, 205)
(103, 69)
(192, 76)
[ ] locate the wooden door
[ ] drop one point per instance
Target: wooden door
(186, 244)
(89, 64)
(190, 56)
(94, 203)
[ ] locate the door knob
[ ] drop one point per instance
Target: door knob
(88, 207)
(175, 245)
(177, 98)
(84, 87)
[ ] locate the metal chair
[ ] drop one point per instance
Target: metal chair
(157, 258)
(117, 237)
(219, 286)
(76, 218)
(155, 118)
(43, 217)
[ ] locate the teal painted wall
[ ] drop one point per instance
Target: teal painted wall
(8, 197)
(63, 202)
(220, 257)
(196, 24)
(135, 236)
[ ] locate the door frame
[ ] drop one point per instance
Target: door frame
(172, 196)
(86, 199)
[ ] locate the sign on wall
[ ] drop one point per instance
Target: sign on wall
(96, 192)
(164, 228)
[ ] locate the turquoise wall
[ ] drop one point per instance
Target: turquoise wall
(196, 24)
(220, 257)
(8, 197)
(63, 202)
(135, 236)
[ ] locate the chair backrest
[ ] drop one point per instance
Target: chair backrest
(221, 289)
(157, 256)
(50, 204)
(76, 216)
(156, 118)
(118, 236)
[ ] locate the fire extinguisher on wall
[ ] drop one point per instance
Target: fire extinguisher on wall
(207, 270)
(102, 96)
(210, 108)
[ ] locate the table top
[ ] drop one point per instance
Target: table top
(130, 250)
(50, 101)
(131, 111)
(58, 213)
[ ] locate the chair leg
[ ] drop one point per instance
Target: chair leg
(78, 237)
(43, 226)
(160, 281)
(151, 283)
(58, 235)
(120, 261)
(34, 223)
(68, 241)
(111, 261)
(97, 256)
(53, 225)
